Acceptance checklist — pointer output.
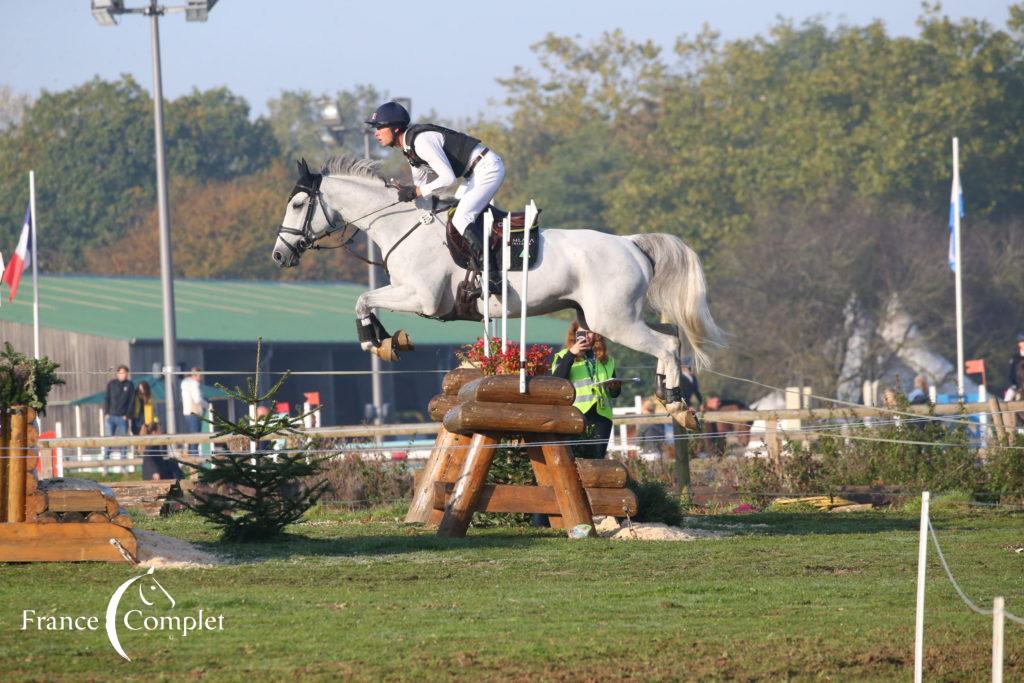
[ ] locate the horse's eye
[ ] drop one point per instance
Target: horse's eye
(297, 204)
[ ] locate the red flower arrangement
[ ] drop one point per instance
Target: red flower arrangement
(507, 363)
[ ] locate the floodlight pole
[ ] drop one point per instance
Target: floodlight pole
(376, 389)
(166, 271)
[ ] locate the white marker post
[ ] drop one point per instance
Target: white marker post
(998, 617)
(506, 256)
(531, 214)
(486, 284)
(922, 559)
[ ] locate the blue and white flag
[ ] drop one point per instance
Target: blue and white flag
(956, 205)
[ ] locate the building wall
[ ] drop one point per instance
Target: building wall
(87, 363)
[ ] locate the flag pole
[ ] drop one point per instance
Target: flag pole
(958, 192)
(35, 262)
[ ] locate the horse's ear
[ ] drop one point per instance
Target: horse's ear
(303, 168)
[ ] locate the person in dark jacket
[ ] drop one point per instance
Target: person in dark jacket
(1015, 374)
(689, 389)
(117, 404)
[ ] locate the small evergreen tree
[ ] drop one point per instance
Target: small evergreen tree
(253, 496)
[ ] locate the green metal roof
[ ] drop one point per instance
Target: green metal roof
(229, 311)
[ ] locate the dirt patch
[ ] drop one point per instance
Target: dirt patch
(156, 550)
(609, 527)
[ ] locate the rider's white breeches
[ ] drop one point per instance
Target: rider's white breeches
(478, 190)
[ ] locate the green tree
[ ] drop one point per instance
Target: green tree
(823, 117)
(92, 149)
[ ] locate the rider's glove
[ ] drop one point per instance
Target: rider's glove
(406, 193)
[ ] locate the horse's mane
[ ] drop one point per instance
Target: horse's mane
(352, 166)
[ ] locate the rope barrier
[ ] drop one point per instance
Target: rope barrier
(959, 590)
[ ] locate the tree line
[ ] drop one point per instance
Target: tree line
(807, 165)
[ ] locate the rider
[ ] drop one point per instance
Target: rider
(438, 157)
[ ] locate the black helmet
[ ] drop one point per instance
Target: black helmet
(389, 114)
(1020, 336)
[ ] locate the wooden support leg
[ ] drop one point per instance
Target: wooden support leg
(540, 471)
(5, 453)
(419, 509)
(459, 511)
(565, 479)
(451, 472)
(16, 465)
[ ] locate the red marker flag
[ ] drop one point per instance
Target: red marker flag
(22, 257)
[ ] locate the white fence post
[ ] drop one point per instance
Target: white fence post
(998, 618)
(531, 213)
(486, 284)
(922, 559)
(506, 256)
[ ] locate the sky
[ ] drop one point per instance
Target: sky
(445, 56)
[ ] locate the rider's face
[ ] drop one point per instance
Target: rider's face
(385, 136)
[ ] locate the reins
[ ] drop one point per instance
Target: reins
(334, 228)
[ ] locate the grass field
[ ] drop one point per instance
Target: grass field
(805, 596)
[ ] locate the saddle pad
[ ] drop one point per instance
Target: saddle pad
(516, 248)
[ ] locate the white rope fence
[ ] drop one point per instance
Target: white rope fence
(998, 611)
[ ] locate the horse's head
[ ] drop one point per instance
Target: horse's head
(303, 224)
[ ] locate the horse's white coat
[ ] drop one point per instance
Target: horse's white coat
(606, 278)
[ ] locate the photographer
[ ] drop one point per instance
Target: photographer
(585, 362)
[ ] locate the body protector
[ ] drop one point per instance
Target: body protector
(457, 146)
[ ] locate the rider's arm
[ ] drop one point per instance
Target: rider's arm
(430, 147)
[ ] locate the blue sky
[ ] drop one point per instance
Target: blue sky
(445, 56)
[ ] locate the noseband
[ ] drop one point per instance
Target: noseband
(307, 239)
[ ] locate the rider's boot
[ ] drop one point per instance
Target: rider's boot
(477, 245)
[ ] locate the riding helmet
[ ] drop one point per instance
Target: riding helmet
(389, 114)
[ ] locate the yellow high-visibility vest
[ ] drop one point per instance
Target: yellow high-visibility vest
(585, 377)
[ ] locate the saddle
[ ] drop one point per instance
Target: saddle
(462, 252)
(470, 289)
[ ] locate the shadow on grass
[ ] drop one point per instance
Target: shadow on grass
(803, 523)
(405, 540)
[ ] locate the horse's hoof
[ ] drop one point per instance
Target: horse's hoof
(402, 342)
(386, 351)
(683, 415)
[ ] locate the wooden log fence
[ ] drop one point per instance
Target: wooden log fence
(42, 521)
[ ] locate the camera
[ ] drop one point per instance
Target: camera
(581, 336)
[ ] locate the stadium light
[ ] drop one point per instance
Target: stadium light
(105, 13)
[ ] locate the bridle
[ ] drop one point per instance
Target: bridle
(308, 240)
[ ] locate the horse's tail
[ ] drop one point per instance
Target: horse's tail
(678, 290)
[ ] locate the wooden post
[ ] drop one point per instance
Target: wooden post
(681, 448)
(543, 476)
(997, 420)
(572, 499)
(17, 461)
(419, 509)
(459, 512)
(771, 441)
(5, 452)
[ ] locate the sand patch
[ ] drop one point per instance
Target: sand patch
(166, 552)
(609, 527)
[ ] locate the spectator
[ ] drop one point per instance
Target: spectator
(117, 404)
(142, 408)
(155, 463)
(193, 405)
(689, 389)
(918, 396)
(585, 362)
(651, 437)
(1015, 376)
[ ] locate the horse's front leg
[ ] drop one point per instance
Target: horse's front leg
(372, 335)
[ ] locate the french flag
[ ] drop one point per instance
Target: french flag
(22, 257)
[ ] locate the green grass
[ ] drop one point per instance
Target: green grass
(807, 596)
